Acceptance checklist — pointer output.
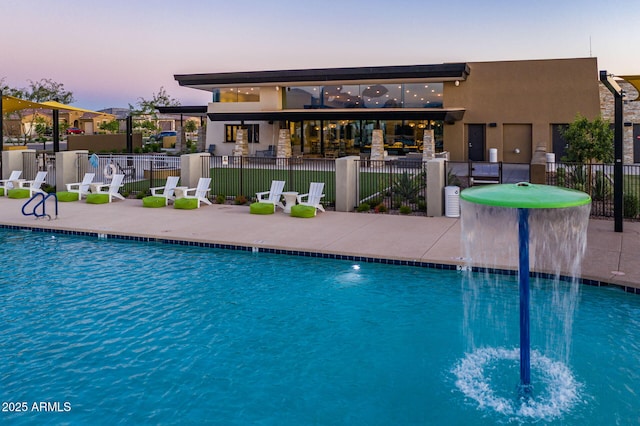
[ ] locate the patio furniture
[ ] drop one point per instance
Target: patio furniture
(166, 191)
(313, 197)
(199, 195)
(81, 188)
(7, 184)
(272, 196)
(106, 192)
(34, 185)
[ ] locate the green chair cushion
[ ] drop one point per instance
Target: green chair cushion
(97, 198)
(153, 201)
(302, 211)
(67, 196)
(1, 192)
(261, 208)
(185, 203)
(18, 193)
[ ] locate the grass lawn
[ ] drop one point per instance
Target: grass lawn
(248, 181)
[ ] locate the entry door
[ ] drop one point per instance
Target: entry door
(558, 142)
(476, 140)
(636, 143)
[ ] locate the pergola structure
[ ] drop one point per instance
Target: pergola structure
(10, 104)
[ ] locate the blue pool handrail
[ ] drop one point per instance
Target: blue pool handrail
(42, 204)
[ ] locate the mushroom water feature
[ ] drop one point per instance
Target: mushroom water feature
(548, 226)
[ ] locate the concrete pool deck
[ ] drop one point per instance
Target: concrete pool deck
(610, 258)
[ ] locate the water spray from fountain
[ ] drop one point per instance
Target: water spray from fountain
(530, 226)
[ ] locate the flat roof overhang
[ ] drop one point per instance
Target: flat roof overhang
(449, 115)
(404, 73)
(196, 110)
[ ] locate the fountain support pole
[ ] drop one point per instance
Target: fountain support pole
(525, 337)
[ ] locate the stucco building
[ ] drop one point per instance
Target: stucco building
(513, 107)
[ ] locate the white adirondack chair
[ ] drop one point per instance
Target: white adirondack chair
(273, 195)
(81, 188)
(34, 185)
(8, 184)
(112, 188)
(200, 192)
(168, 190)
(313, 197)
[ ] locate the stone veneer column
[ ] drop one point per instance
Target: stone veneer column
(428, 145)
(377, 145)
(284, 144)
(202, 139)
(631, 114)
(242, 144)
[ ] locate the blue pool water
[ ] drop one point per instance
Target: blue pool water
(115, 332)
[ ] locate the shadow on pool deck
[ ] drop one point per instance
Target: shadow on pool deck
(611, 257)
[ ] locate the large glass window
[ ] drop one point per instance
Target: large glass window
(311, 130)
(237, 94)
(350, 137)
(342, 96)
(396, 95)
(303, 97)
(423, 95)
(382, 95)
(231, 131)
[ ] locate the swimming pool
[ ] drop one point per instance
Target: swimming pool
(107, 331)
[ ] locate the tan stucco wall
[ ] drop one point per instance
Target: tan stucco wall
(536, 93)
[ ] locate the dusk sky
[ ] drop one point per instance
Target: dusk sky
(111, 53)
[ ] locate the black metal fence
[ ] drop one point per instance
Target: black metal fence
(141, 171)
(391, 185)
(469, 173)
(34, 162)
(380, 185)
(240, 178)
(597, 181)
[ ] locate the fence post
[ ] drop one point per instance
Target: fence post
(67, 167)
(346, 191)
(11, 160)
(191, 168)
(539, 166)
(435, 186)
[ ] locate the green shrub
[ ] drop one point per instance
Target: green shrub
(380, 208)
(453, 179)
(561, 176)
(240, 200)
(602, 187)
(422, 206)
(631, 206)
(405, 210)
(579, 175)
(408, 187)
(48, 188)
(364, 207)
(221, 198)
